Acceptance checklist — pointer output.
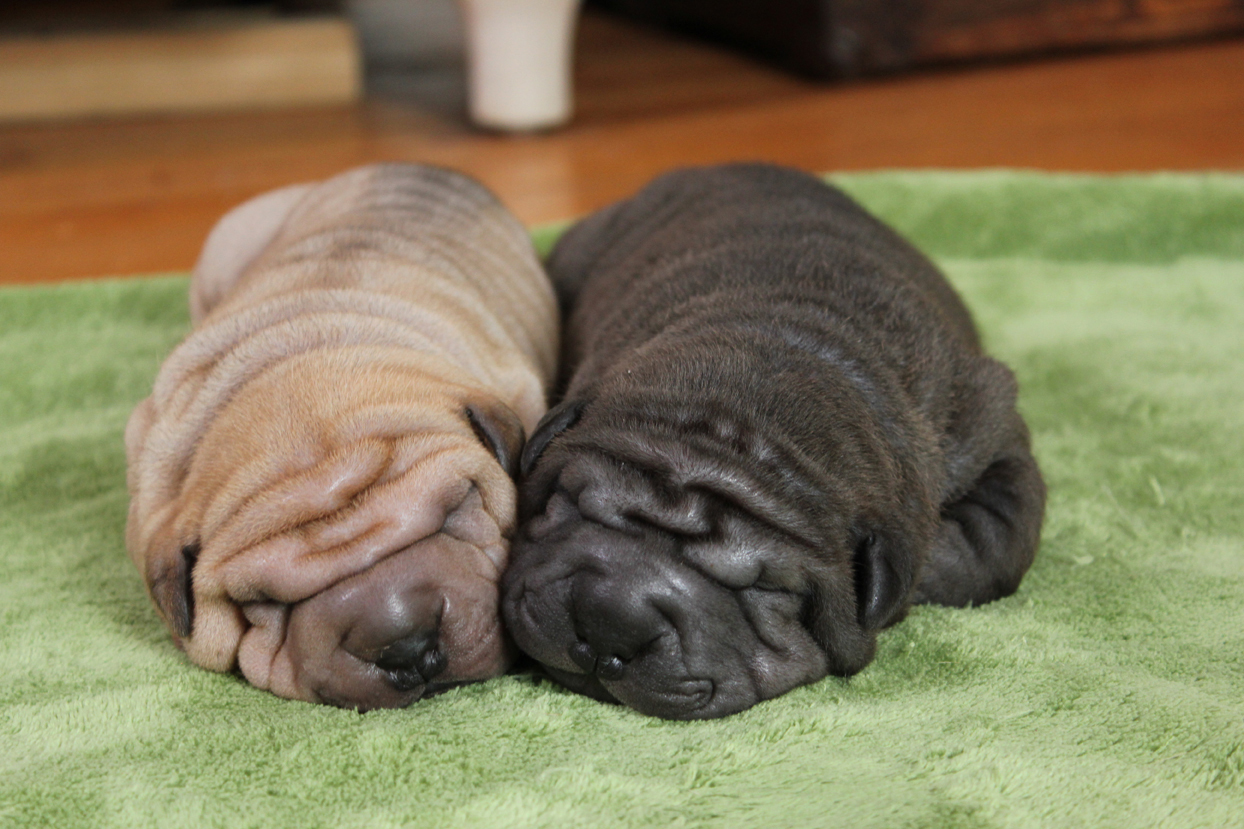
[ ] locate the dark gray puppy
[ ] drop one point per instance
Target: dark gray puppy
(778, 430)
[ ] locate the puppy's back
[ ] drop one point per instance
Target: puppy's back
(416, 233)
(796, 218)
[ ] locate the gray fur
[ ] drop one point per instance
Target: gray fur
(777, 431)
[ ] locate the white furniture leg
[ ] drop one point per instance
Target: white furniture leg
(519, 61)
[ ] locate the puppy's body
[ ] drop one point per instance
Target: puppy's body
(319, 485)
(778, 430)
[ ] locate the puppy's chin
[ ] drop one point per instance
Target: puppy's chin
(624, 615)
(420, 620)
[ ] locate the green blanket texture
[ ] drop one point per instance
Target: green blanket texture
(1108, 692)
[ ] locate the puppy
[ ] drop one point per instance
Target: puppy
(320, 483)
(778, 431)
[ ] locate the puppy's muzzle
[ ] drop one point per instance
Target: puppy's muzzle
(389, 632)
(410, 625)
(615, 616)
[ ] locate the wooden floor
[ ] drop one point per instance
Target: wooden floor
(135, 196)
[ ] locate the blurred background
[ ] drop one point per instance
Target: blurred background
(127, 127)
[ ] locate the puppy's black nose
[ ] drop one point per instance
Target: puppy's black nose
(414, 660)
(615, 618)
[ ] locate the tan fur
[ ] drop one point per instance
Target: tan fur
(310, 435)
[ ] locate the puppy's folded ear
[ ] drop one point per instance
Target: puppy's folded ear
(557, 420)
(170, 577)
(884, 576)
(499, 429)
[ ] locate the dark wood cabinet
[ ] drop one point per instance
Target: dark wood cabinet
(841, 38)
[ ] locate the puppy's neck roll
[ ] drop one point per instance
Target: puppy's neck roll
(320, 482)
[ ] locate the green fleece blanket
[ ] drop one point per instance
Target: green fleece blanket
(1109, 691)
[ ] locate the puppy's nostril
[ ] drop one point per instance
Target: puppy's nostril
(432, 663)
(583, 655)
(413, 661)
(406, 653)
(611, 668)
(405, 679)
(606, 667)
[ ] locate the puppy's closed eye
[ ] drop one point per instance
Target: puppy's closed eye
(172, 587)
(558, 419)
(500, 430)
(883, 580)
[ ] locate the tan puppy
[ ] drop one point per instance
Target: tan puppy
(320, 482)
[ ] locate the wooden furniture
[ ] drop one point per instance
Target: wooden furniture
(187, 63)
(840, 38)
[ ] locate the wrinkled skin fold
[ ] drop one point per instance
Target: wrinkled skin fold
(777, 431)
(321, 492)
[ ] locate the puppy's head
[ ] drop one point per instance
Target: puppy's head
(338, 532)
(690, 562)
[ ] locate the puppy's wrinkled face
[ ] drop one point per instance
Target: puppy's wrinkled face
(688, 567)
(340, 533)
